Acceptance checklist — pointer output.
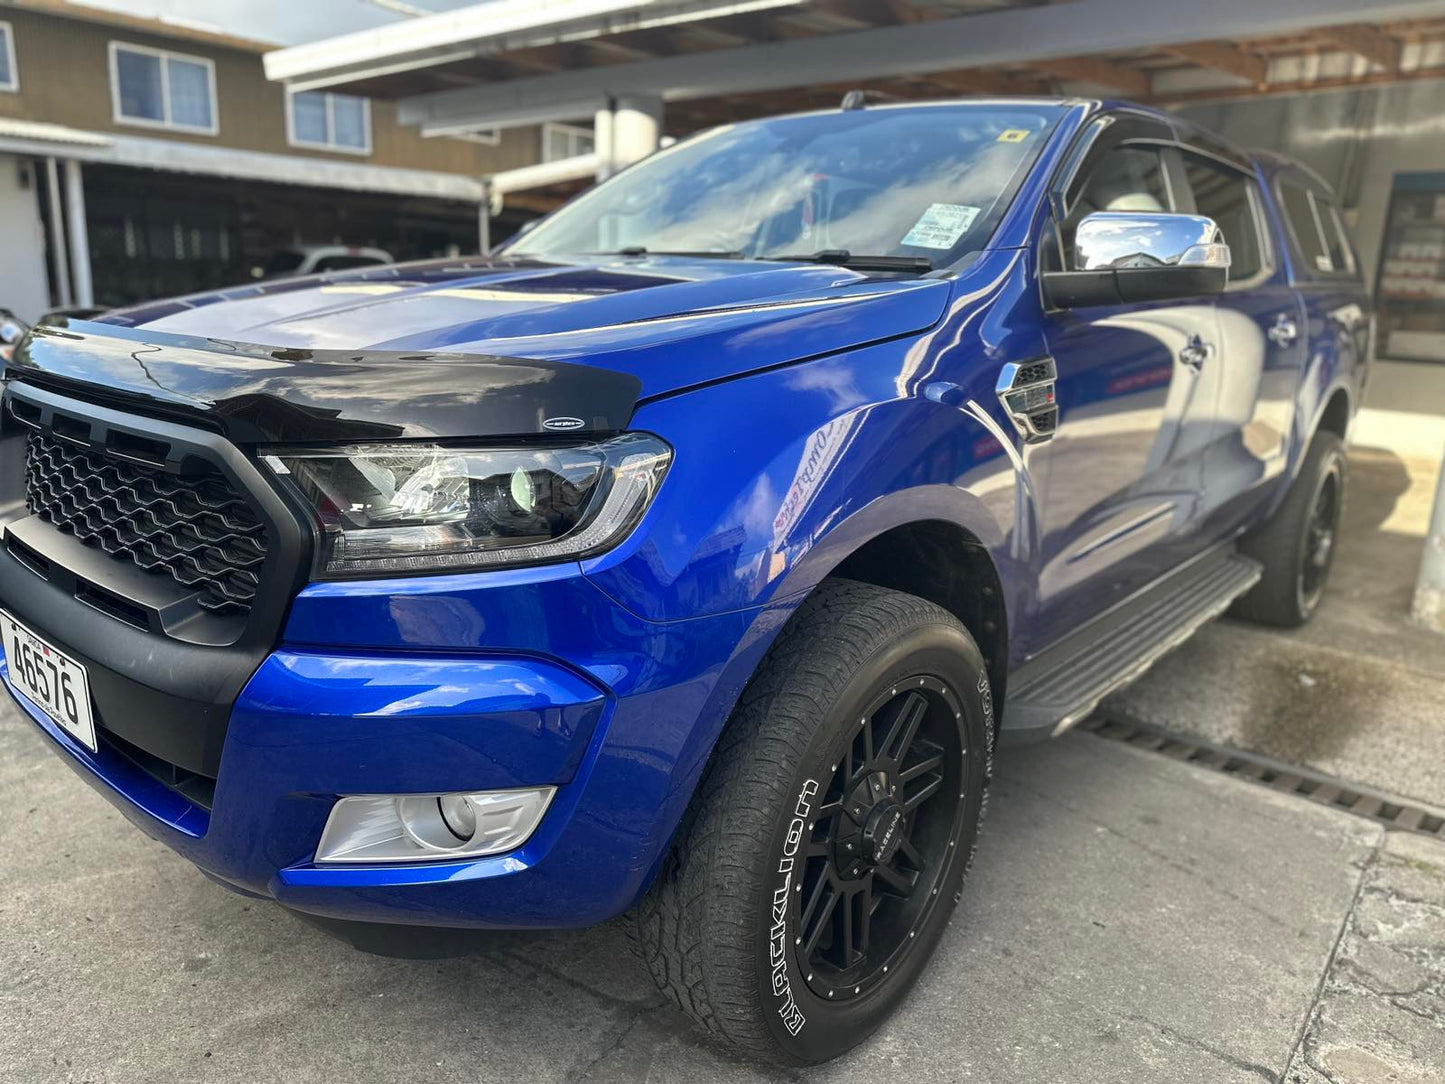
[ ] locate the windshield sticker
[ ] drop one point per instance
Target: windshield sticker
(941, 226)
(1012, 135)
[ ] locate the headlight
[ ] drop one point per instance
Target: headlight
(387, 508)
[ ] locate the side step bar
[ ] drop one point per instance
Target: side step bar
(1064, 683)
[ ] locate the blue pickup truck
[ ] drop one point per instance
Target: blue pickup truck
(688, 557)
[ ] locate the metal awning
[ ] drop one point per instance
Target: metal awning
(51, 138)
(716, 62)
(54, 141)
(484, 30)
(1065, 40)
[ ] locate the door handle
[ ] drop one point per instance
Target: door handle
(1195, 353)
(1283, 332)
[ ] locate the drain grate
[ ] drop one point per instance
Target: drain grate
(1391, 810)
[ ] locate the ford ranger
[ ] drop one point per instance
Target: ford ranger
(688, 556)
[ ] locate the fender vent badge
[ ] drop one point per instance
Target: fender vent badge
(1027, 394)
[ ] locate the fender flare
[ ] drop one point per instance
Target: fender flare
(926, 503)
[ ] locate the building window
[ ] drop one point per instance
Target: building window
(333, 122)
(157, 89)
(9, 74)
(561, 141)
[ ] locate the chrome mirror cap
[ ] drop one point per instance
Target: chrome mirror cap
(1124, 240)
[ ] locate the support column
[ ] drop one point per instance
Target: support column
(484, 220)
(602, 141)
(79, 237)
(57, 234)
(636, 129)
(1429, 608)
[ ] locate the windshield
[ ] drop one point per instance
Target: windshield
(912, 182)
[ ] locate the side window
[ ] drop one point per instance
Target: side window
(1304, 228)
(1123, 178)
(1228, 197)
(1337, 239)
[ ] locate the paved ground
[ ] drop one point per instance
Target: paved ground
(1130, 919)
(1360, 691)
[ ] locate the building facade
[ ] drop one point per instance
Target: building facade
(140, 159)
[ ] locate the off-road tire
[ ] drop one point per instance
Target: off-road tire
(707, 929)
(1284, 544)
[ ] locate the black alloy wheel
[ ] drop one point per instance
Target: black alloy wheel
(829, 838)
(888, 818)
(1297, 545)
(1321, 533)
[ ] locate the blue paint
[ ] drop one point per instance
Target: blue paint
(811, 409)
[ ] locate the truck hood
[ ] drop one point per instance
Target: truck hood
(450, 349)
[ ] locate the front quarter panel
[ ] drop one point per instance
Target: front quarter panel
(779, 476)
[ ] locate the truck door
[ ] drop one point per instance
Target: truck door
(1261, 345)
(1121, 477)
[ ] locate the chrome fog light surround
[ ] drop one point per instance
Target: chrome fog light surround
(382, 828)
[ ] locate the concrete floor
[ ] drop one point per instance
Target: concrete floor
(1130, 918)
(1359, 692)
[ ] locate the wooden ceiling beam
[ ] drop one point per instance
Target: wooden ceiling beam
(1372, 79)
(622, 50)
(1086, 69)
(1221, 56)
(978, 81)
(1374, 45)
(746, 28)
(858, 13)
(548, 58)
(904, 12)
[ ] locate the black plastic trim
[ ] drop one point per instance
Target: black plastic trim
(263, 395)
(167, 688)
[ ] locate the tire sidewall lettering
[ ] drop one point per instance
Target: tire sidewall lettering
(787, 1007)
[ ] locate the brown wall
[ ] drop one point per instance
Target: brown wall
(64, 69)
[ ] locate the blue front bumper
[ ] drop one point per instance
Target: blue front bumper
(617, 712)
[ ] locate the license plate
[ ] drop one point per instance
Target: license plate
(53, 680)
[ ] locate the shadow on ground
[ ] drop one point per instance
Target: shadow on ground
(1359, 692)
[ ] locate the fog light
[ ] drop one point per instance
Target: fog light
(425, 827)
(460, 817)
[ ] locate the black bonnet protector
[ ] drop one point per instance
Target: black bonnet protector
(260, 395)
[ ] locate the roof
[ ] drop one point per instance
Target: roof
(45, 140)
(509, 63)
(39, 132)
(163, 27)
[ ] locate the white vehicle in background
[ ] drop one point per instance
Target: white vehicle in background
(316, 259)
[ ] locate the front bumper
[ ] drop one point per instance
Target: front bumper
(618, 713)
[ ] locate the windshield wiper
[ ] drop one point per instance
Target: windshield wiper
(843, 258)
(640, 250)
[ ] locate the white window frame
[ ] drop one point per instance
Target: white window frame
(165, 123)
(292, 139)
(13, 84)
(572, 131)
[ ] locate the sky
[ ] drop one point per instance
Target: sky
(285, 22)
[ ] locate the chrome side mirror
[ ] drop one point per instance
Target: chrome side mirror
(1124, 257)
(1111, 240)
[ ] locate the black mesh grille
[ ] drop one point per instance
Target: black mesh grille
(197, 530)
(1033, 374)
